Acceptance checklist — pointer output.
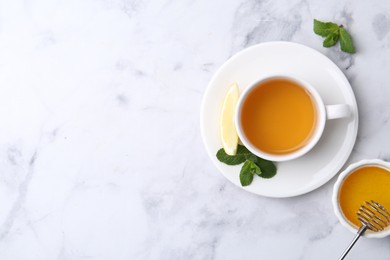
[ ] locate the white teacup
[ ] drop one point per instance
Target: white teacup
(323, 113)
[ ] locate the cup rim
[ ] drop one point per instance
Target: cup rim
(336, 190)
(321, 118)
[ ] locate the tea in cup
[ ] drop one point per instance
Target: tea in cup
(282, 117)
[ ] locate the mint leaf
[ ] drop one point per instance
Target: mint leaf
(242, 154)
(247, 171)
(331, 39)
(346, 43)
(268, 168)
(324, 29)
(253, 164)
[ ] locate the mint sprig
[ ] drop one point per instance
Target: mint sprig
(332, 33)
(253, 164)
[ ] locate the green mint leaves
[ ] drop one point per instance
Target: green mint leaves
(332, 33)
(252, 164)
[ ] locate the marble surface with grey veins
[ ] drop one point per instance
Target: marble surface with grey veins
(100, 149)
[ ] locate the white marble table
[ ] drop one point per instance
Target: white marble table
(101, 155)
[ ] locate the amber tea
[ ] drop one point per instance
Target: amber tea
(279, 116)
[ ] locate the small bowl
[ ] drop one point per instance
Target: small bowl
(336, 189)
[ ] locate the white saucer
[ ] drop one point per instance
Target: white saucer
(309, 172)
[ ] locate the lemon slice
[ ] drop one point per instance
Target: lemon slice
(228, 131)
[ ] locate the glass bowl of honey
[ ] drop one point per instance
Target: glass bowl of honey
(363, 181)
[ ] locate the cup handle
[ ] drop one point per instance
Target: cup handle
(337, 111)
